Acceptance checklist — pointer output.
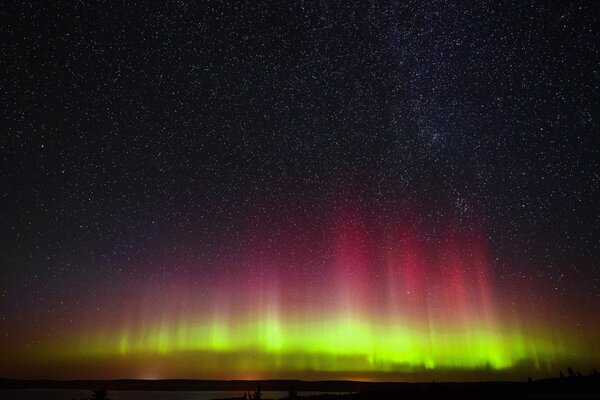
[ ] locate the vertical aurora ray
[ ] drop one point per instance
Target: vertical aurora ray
(386, 301)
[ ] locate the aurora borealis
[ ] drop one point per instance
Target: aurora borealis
(300, 191)
(385, 301)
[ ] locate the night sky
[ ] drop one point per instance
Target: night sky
(333, 189)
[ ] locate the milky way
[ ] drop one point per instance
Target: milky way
(300, 190)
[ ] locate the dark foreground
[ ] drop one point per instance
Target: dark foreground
(574, 387)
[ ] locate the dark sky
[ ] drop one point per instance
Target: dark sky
(135, 134)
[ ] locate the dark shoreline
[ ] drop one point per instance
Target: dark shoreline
(344, 386)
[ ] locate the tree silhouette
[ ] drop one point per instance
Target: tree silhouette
(100, 394)
(257, 393)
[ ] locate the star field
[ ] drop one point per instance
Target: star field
(149, 150)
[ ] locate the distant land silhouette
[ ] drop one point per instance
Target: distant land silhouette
(572, 385)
